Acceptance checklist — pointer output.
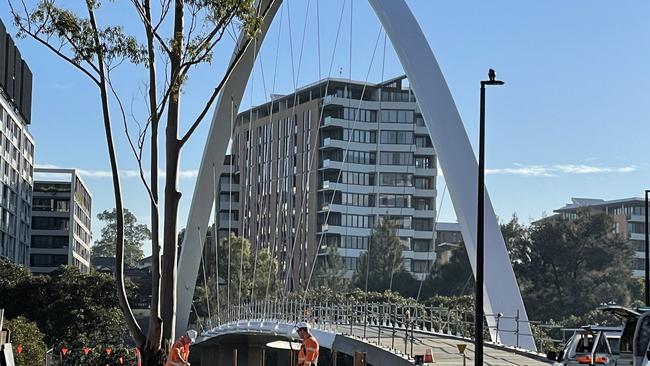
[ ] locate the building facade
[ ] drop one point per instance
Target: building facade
(16, 152)
(61, 221)
(628, 215)
(320, 167)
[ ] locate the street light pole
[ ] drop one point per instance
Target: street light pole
(480, 217)
(647, 250)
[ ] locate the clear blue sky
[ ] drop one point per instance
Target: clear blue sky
(568, 123)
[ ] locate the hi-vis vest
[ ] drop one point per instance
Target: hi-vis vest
(308, 353)
(173, 359)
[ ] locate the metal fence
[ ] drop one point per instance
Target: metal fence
(402, 324)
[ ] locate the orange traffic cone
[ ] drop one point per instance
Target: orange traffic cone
(428, 356)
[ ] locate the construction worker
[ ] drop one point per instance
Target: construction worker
(180, 352)
(308, 353)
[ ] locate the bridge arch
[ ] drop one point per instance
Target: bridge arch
(447, 132)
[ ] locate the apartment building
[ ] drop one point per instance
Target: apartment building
(61, 221)
(16, 152)
(321, 166)
(629, 222)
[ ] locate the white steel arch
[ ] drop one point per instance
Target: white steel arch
(452, 145)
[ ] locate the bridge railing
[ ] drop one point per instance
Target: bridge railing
(381, 321)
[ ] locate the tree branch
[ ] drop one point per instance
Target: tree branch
(19, 23)
(132, 324)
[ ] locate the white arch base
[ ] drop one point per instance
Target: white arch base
(449, 137)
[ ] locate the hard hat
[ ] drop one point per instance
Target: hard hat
(192, 335)
(303, 325)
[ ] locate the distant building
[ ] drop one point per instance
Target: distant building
(302, 181)
(16, 152)
(629, 222)
(62, 210)
(448, 239)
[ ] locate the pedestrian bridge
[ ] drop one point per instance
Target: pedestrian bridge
(388, 334)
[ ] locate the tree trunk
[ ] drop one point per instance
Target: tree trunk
(131, 323)
(154, 335)
(172, 194)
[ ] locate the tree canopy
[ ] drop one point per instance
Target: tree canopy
(26, 335)
(566, 267)
(71, 308)
(135, 236)
(384, 265)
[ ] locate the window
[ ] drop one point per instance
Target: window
(424, 162)
(423, 141)
(50, 204)
(423, 224)
(50, 223)
(48, 241)
(358, 199)
(419, 121)
(359, 136)
(357, 221)
(396, 137)
(48, 260)
(420, 266)
(636, 227)
(397, 116)
(396, 96)
(361, 115)
(354, 242)
(423, 203)
(396, 179)
(358, 178)
(422, 245)
(351, 263)
(51, 187)
(396, 158)
(454, 237)
(395, 200)
(401, 222)
(360, 157)
(424, 182)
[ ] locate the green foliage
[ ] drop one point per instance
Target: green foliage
(71, 308)
(25, 333)
(386, 269)
(454, 278)
(330, 272)
(257, 278)
(134, 237)
(567, 267)
(49, 20)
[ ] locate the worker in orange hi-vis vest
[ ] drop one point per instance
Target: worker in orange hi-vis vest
(180, 352)
(308, 354)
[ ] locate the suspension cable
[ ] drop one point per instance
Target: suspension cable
(272, 251)
(435, 224)
(303, 202)
(215, 237)
(344, 158)
(205, 280)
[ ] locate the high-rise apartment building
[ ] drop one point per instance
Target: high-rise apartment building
(16, 152)
(61, 216)
(628, 215)
(320, 167)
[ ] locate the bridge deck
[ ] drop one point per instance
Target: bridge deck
(444, 349)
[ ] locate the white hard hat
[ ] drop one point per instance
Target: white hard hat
(303, 325)
(192, 334)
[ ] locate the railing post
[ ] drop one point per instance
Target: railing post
(380, 311)
(517, 330)
(394, 324)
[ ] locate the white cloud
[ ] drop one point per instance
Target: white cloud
(126, 173)
(556, 169)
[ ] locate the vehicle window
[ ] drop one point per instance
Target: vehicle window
(615, 345)
(602, 345)
(585, 343)
(642, 337)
